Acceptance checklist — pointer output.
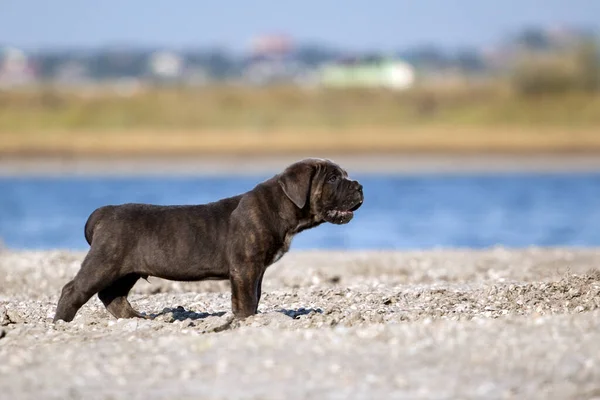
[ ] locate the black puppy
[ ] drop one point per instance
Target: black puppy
(236, 238)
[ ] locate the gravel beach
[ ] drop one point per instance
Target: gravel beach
(442, 324)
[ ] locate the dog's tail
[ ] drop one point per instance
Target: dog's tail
(91, 223)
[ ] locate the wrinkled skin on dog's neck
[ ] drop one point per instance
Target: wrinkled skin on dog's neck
(302, 219)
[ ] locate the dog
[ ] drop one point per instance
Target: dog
(233, 239)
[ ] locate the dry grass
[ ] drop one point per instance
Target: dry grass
(284, 119)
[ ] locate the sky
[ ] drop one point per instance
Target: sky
(385, 25)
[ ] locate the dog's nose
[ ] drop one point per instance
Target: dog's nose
(358, 186)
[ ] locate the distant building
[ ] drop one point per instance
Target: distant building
(72, 73)
(271, 46)
(387, 73)
(273, 60)
(15, 68)
(166, 65)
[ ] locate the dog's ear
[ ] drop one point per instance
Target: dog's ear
(295, 182)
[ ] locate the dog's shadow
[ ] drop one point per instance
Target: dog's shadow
(296, 314)
(181, 314)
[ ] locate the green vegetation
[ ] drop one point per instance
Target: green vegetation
(231, 108)
(576, 69)
(240, 119)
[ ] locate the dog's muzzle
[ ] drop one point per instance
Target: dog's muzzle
(345, 214)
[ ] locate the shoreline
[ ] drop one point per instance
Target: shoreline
(367, 163)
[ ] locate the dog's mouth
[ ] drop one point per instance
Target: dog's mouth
(340, 217)
(356, 207)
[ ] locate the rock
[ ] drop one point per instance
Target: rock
(272, 319)
(4, 320)
(217, 324)
(9, 316)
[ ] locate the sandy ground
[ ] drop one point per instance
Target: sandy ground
(332, 325)
(400, 163)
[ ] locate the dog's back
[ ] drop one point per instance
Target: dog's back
(129, 210)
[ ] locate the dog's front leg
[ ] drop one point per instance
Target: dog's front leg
(245, 291)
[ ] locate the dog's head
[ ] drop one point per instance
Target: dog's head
(324, 188)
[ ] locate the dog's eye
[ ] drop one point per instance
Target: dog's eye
(332, 179)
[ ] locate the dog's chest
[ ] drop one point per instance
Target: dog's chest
(285, 246)
(287, 241)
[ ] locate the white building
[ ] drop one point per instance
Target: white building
(15, 68)
(166, 65)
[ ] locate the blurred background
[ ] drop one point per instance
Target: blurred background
(471, 124)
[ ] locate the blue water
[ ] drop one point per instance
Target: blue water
(400, 212)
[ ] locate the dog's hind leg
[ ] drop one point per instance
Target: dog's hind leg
(114, 297)
(91, 278)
